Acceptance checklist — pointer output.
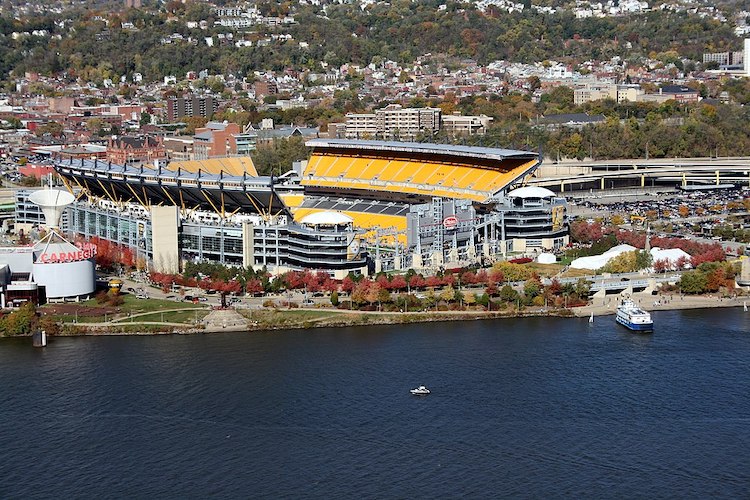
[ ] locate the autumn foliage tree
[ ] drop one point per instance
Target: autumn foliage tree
(586, 232)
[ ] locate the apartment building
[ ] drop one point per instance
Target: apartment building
(190, 105)
(393, 122)
(599, 91)
(457, 124)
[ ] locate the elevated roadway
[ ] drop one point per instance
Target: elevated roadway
(642, 173)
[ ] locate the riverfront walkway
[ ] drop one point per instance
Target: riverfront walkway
(608, 305)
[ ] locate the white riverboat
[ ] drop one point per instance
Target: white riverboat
(420, 391)
(633, 317)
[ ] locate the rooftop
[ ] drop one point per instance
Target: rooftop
(418, 147)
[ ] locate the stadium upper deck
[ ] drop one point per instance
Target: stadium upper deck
(413, 172)
(232, 165)
(209, 191)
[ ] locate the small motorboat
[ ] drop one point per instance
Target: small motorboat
(420, 391)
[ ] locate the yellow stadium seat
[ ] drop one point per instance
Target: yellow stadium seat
(366, 168)
(292, 200)
(365, 220)
(422, 173)
(312, 165)
(359, 170)
(479, 183)
(326, 165)
(402, 170)
(236, 166)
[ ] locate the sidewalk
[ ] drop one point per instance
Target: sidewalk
(608, 305)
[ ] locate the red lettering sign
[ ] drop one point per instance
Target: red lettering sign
(75, 256)
(450, 222)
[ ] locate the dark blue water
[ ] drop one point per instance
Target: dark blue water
(526, 408)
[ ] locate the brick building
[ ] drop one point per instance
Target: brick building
(135, 149)
(216, 139)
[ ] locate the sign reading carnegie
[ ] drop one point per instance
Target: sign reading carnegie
(85, 252)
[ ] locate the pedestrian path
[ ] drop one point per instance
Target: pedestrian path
(224, 319)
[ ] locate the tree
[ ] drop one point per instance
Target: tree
(468, 278)
(447, 294)
(398, 282)
(254, 287)
(192, 123)
(347, 285)
(373, 293)
(585, 232)
(359, 293)
(52, 128)
(335, 298)
(715, 280)
(532, 287)
(384, 296)
(416, 282)
(662, 265)
(508, 294)
(434, 281)
(330, 286)
(582, 288)
(692, 282)
(294, 280)
(513, 272)
(20, 322)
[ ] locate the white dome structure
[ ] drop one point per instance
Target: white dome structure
(326, 219)
(531, 192)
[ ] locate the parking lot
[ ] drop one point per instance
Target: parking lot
(695, 213)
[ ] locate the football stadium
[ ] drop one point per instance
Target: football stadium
(353, 206)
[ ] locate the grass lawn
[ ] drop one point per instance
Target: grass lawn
(547, 270)
(289, 317)
(91, 311)
(577, 273)
(187, 317)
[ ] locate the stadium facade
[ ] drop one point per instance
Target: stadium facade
(354, 206)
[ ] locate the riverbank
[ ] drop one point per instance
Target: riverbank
(295, 319)
(651, 303)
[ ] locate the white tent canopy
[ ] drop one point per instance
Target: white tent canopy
(598, 261)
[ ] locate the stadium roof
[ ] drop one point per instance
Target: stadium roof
(218, 192)
(410, 172)
(425, 148)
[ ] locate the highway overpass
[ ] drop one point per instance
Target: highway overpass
(668, 173)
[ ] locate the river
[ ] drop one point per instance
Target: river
(530, 407)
